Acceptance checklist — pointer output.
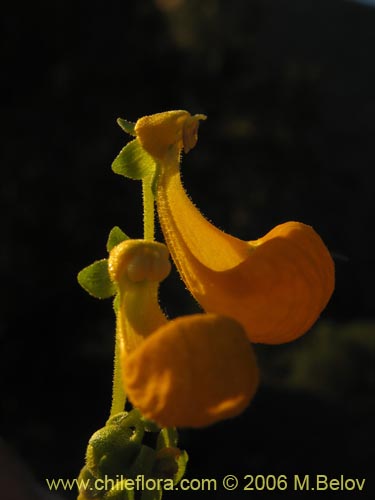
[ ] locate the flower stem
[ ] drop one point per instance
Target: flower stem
(118, 393)
(148, 208)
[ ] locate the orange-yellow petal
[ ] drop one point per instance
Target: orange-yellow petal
(192, 372)
(183, 224)
(276, 286)
(278, 292)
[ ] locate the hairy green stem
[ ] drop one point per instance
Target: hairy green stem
(118, 393)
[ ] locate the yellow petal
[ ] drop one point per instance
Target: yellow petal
(184, 225)
(192, 372)
(278, 292)
(163, 136)
(276, 286)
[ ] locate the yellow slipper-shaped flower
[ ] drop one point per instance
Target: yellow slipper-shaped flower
(275, 286)
(188, 372)
(192, 372)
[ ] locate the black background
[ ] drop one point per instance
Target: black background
(288, 87)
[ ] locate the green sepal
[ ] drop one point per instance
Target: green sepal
(113, 448)
(144, 462)
(167, 438)
(111, 451)
(171, 461)
(182, 461)
(128, 420)
(133, 162)
(115, 237)
(86, 483)
(150, 425)
(166, 464)
(128, 127)
(96, 281)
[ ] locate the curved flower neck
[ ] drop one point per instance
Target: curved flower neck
(164, 136)
(275, 286)
(137, 266)
(191, 231)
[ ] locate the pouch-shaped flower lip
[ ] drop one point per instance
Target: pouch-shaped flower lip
(279, 291)
(192, 372)
(276, 286)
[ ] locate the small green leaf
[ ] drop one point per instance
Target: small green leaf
(144, 462)
(133, 162)
(96, 281)
(115, 237)
(126, 126)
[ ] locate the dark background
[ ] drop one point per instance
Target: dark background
(288, 87)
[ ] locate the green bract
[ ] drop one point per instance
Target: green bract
(96, 281)
(133, 162)
(115, 237)
(167, 441)
(128, 127)
(95, 277)
(168, 437)
(116, 456)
